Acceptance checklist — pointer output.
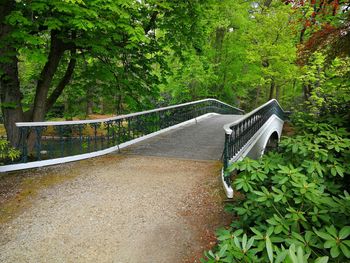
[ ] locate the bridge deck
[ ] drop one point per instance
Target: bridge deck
(201, 141)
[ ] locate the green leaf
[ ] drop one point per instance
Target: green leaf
(257, 233)
(244, 242)
(269, 249)
(329, 243)
(335, 252)
(344, 232)
(322, 260)
(277, 239)
(331, 230)
(238, 232)
(346, 242)
(297, 236)
(222, 250)
(345, 250)
(300, 255)
(324, 235)
(340, 170)
(292, 255)
(281, 256)
(269, 231)
(237, 243)
(250, 243)
(294, 148)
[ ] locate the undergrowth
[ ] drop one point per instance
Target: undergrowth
(295, 205)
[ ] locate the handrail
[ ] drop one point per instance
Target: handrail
(238, 133)
(227, 127)
(56, 123)
(53, 140)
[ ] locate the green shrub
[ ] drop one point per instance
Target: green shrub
(7, 152)
(295, 205)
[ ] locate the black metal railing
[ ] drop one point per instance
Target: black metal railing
(240, 132)
(51, 140)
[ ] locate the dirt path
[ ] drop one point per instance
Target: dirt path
(119, 208)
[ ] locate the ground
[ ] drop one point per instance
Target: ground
(116, 208)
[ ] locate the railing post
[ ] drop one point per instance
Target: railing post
(226, 151)
(23, 142)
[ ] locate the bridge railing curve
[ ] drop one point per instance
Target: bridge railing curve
(64, 139)
(238, 133)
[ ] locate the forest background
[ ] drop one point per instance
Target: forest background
(73, 58)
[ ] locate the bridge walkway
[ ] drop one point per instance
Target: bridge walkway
(203, 140)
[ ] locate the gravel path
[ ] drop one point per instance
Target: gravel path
(119, 209)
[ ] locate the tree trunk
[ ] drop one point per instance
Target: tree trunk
(56, 52)
(102, 106)
(66, 103)
(302, 33)
(258, 89)
(62, 84)
(89, 101)
(267, 3)
(278, 92)
(307, 91)
(11, 99)
(272, 89)
(118, 104)
(10, 93)
(38, 112)
(219, 39)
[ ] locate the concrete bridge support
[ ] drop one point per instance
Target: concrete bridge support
(265, 139)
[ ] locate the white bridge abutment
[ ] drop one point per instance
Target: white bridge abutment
(267, 136)
(264, 139)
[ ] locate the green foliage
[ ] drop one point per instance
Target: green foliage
(120, 47)
(250, 46)
(296, 204)
(132, 54)
(7, 152)
(328, 83)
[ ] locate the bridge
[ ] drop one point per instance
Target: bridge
(151, 196)
(203, 130)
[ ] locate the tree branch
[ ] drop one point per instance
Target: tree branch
(56, 52)
(152, 22)
(63, 82)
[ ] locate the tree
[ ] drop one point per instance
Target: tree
(121, 34)
(249, 56)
